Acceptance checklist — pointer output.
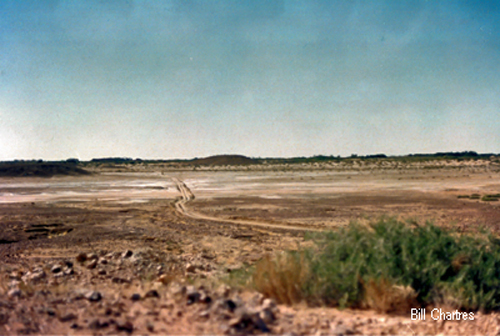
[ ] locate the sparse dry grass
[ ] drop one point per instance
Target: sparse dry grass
(282, 277)
(384, 296)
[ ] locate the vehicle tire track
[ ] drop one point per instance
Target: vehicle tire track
(187, 196)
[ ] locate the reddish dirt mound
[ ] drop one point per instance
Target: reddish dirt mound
(224, 160)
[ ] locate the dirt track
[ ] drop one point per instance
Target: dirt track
(187, 196)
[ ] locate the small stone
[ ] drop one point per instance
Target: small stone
(342, 330)
(74, 326)
(135, 297)
(97, 324)
(205, 298)
(150, 326)
(68, 271)
(260, 324)
(193, 295)
(56, 269)
(177, 289)
(269, 303)
(102, 272)
(36, 275)
(127, 254)
(190, 268)
(164, 279)
(224, 291)
(92, 256)
(229, 305)
(92, 264)
(67, 317)
(257, 299)
(93, 296)
(267, 315)
(152, 294)
(119, 280)
(126, 326)
(103, 261)
(81, 257)
(68, 264)
(14, 284)
(14, 292)
(15, 275)
(241, 322)
(51, 312)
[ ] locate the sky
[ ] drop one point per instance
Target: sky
(263, 78)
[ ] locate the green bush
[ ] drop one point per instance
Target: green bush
(438, 266)
(490, 198)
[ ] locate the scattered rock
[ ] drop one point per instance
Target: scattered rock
(190, 268)
(267, 315)
(152, 294)
(4, 317)
(14, 292)
(205, 298)
(126, 326)
(93, 296)
(119, 280)
(164, 279)
(36, 275)
(14, 284)
(269, 304)
(110, 255)
(177, 289)
(15, 275)
(223, 290)
(56, 269)
(81, 257)
(246, 322)
(92, 264)
(68, 271)
(135, 297)
(97, 324)
(230, 305)
(257, 299)
(193, 296)
(67, 317)
(342, 330)
(127, 254)
(92, 256)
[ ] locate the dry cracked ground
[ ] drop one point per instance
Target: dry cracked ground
(150, 249)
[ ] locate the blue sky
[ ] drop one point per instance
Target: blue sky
(192, 78)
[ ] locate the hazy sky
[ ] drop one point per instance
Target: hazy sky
(192, 78)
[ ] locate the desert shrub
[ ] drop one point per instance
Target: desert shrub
(387, 266)
(490, 198)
